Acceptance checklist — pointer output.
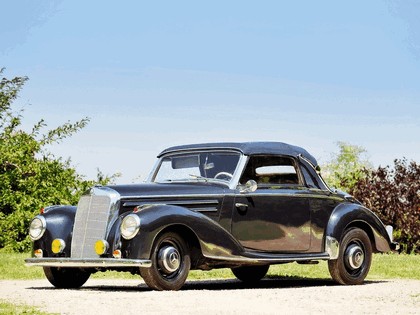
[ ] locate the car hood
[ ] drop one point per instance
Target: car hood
(168, 189)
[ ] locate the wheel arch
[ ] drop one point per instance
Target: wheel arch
(348, 215)
(202, 233)
(190, 238)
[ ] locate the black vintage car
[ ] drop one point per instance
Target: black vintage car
(243, 206)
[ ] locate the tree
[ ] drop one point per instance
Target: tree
(346, 167)
(394, 195)
(30, 176)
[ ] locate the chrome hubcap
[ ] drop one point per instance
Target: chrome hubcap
(169, 259)
(354, 256)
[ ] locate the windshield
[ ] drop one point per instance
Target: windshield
(197, 166)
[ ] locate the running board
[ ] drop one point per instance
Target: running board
(271, 259)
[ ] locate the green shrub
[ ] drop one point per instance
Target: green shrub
(30, 176)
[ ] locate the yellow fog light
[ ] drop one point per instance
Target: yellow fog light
(58, 246)
(101, 246)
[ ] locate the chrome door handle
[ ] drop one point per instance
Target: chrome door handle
(241, 206)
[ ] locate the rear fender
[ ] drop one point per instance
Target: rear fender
(348, 215)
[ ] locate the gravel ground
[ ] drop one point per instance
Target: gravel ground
(271, 296)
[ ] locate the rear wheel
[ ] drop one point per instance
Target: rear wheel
(354, 258)
(170, 263)
(66, 278)
(250, 273)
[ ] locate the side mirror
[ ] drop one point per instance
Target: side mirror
(250, 186)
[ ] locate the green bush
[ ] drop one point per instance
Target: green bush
(30, 176)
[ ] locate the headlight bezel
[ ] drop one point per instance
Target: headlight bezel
(130, 226)
(41, 227)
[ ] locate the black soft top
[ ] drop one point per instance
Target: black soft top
(247, 148)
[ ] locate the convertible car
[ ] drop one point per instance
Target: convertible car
(243, 206)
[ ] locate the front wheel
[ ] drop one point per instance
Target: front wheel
(354, 258)
(66, 278)
(250, 274)
(170, 263)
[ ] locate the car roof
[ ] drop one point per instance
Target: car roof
(247, 148)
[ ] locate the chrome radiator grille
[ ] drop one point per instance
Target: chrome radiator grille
(92, 216)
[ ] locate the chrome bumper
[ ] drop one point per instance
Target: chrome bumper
(88, 262)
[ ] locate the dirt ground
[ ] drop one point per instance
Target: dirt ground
(271, 296)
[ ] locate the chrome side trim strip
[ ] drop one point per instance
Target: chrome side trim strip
(87, 262)
(186, 202)
(135, 197)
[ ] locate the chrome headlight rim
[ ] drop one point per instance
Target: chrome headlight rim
(130, 226)
(41, 228)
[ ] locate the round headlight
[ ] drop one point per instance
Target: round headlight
(130, 226)
(37, 228)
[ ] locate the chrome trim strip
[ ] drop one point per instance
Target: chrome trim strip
(332, 247)
(260, 192)
(204, 209)
(174, 196)
(88, 262)
(280, 259)
(186, 202)
(234, 182)
(299, 195)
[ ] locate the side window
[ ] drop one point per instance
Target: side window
(312, 180)
(270, 171)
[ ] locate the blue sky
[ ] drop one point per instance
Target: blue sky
(156, 74)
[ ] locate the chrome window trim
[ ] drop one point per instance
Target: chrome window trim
(300, 156)
(234, 182)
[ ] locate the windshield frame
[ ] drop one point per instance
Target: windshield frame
(232, 184)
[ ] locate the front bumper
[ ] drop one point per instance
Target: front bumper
(88, 262)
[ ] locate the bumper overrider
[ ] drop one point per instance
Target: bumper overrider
(88, 262)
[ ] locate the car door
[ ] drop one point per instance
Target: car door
(276, 217)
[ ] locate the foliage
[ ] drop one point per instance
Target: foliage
(346, 167)
(394, 195)
(30, 176)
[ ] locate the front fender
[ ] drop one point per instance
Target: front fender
(60, 221)
(346, 215)
(213, 239)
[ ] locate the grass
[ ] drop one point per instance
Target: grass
(7, 308)
(384, 266)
